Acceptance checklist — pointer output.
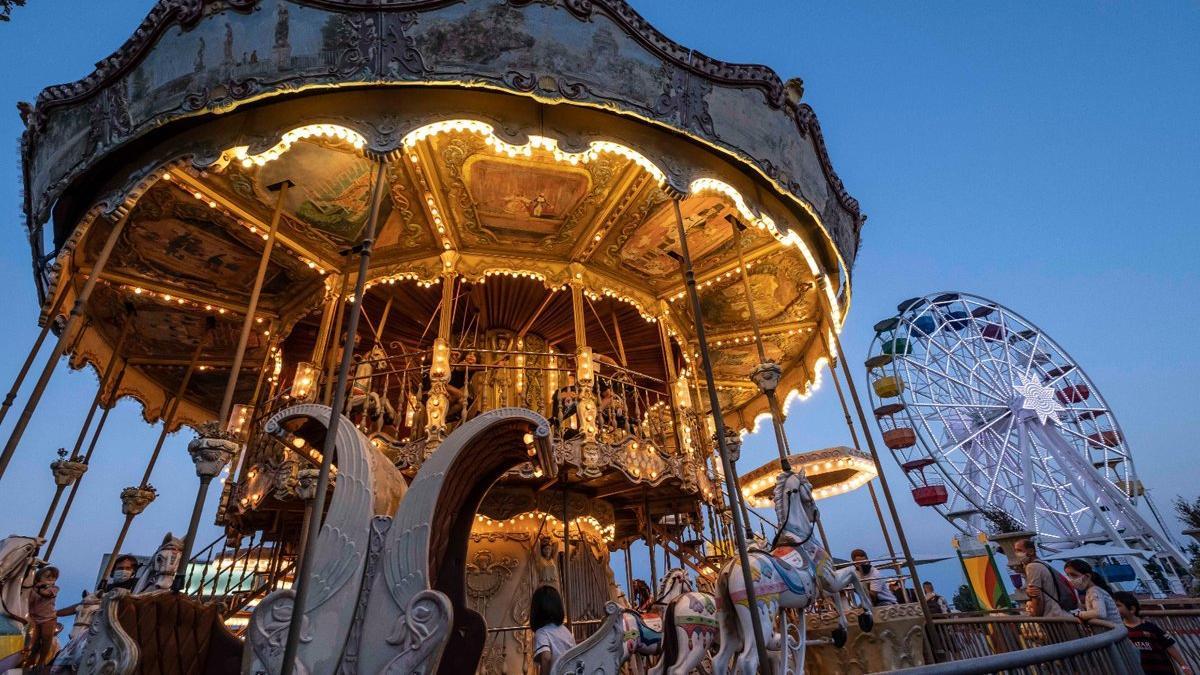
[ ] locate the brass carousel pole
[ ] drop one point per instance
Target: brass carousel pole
(822, 285)
(317, 506)
(135, 499)
(68, 469)
(739, 534)
(60, 347)
(207, 470)
(766, 375)
(833, 367)
(33, 352)
(87, 457)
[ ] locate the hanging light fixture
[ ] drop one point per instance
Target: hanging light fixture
(304, 385)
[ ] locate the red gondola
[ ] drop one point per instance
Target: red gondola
(1073, 393)
(926, 494)
(1105, 439)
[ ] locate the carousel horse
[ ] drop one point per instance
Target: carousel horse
(689, 625)
(791, 576)
(67, 660)
(371, 404)
(17, 558)
(164, 565)
(156, 577)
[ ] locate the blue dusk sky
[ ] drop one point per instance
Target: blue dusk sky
(1043, 155)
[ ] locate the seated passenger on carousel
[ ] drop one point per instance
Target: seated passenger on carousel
(461, 388)
(877, 587)
(566, 404)
(124, 574)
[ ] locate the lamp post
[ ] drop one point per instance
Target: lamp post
(211, 450)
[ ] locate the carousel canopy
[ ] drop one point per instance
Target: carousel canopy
(831, 471)
(536, 144)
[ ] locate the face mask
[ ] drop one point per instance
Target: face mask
(47, 590)
(121, 575)
(865, 568)
(1080, 583)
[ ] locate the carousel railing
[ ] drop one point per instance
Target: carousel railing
(389, 397)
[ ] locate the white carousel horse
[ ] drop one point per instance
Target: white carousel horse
(362, 399)
(67, 660)
(155, 577)
(689, 625)
(790, 577)
(164, 565)
(17, 558)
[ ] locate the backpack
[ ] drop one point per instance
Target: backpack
(1064, 593)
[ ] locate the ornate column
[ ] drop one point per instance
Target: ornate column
(586, 407)
(33, 351)
(211, 450)
(437, 403)
(66, 472)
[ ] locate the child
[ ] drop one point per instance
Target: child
(1157, 648)
(43, 619)
(551, 639)
(1097, 596)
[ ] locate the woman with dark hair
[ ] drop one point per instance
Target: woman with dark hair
(1098, 602)
(1156, 648)
(551, 639)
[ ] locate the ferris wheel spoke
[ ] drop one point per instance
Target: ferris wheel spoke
(964, 384)
(1037, 337)
(948, 351)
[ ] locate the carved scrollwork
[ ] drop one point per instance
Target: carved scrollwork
(420, 632)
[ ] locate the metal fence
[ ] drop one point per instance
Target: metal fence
(1013, 644)
(1181, 624)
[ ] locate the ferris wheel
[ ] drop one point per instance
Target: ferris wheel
(987, 415)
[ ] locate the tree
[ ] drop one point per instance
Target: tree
(6, 8)
(964, 599)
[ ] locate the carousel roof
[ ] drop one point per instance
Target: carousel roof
(538, 142)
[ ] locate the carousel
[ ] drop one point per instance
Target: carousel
(458, 298)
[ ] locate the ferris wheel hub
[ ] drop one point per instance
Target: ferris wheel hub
(1038, 398)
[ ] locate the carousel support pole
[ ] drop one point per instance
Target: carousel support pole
(566, 570)
(60, 347)
(833, 374)
(87, 457)
(714, 403)
(336, 326)
(629, 577)
(437, 403)
(317, 506)
(135, 499)
(68, 469)
(767, 374)
(33, 352)
(248, 323)
(587, 408)
(823, 284)
(207, 469)
(650, 540)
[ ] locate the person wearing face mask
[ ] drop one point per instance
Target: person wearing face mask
(1098, 601)
(1046, 598)
(123, 573)
(876, 587)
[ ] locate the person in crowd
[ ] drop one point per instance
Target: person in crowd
(551, 639)
(1156, 648)
(1098, 601)
(124, 573)
(1045, 597)
(937, 603)
(43, 618)
(877, 588)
